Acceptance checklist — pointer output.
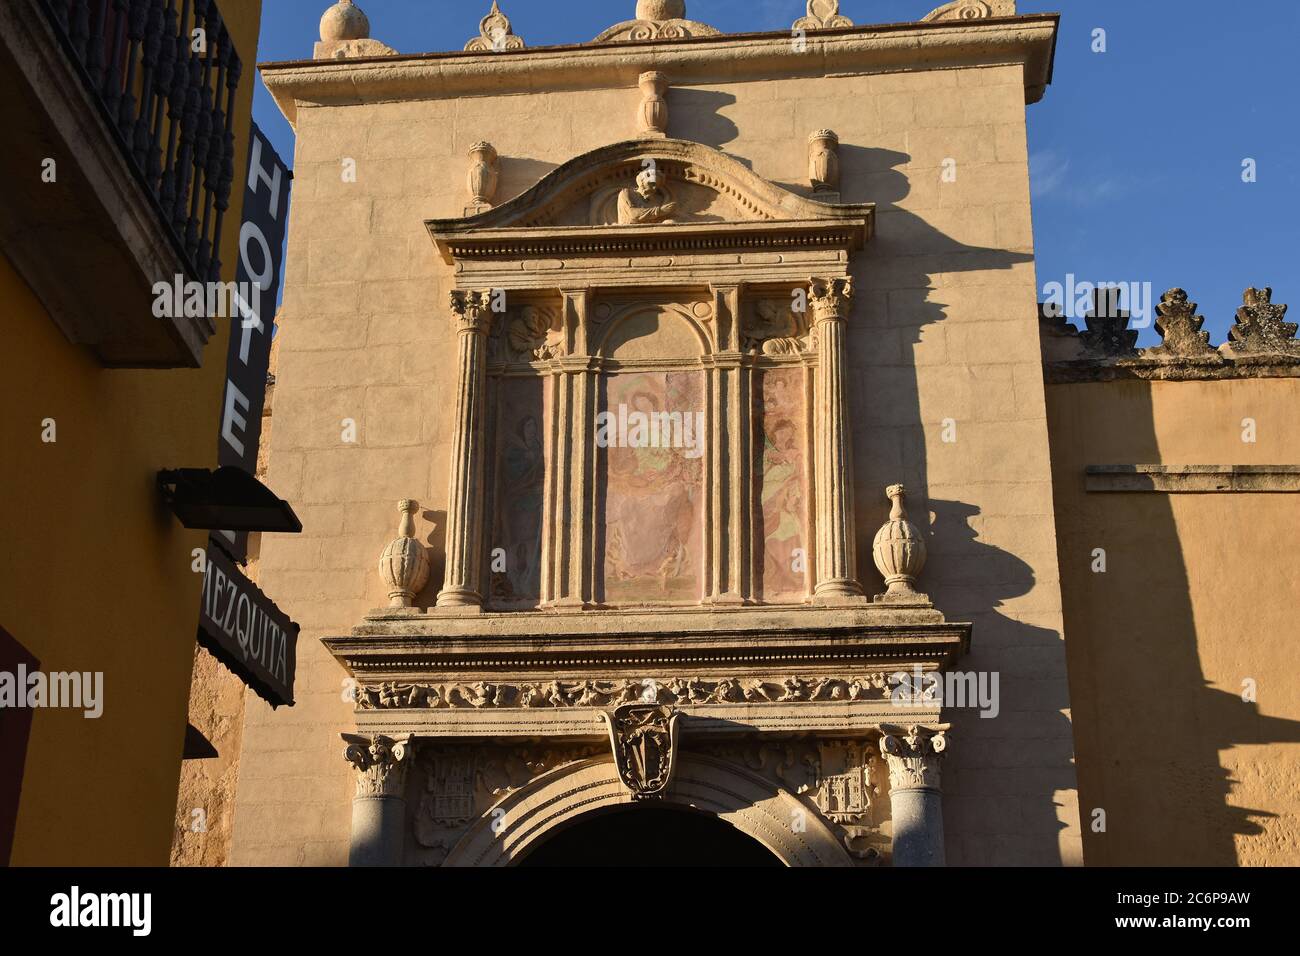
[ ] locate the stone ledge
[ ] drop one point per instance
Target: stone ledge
(1177, 370)
(1194, 479)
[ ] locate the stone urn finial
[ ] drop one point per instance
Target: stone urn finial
(899, 552)
(344, 21)
(404, 565)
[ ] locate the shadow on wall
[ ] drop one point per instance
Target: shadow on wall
(1008, 775)
(1149, 726)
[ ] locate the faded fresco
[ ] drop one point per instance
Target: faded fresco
(653, 500)
(520, 471)
(780, 469)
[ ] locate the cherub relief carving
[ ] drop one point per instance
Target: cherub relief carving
(641, 206)
(774, 328)
(530, 334)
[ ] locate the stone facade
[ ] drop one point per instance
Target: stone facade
(487, 250)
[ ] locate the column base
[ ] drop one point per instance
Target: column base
(458, 601)
(837, 592)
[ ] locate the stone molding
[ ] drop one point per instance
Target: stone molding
(869, 49)
(1194, 479)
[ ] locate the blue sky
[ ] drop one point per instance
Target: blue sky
(1136, 153)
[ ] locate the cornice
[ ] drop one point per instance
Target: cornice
(885, 48)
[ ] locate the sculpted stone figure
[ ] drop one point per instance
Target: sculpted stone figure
(638, 207)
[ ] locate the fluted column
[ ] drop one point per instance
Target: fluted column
(379, 807)
(915, 796)
(837, 574)
(472, 315)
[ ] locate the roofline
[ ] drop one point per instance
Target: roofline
(877, 48)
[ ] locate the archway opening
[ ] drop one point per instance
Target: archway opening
(650, 836)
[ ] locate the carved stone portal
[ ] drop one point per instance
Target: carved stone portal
(644, 741)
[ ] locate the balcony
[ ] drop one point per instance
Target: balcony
(120, 165)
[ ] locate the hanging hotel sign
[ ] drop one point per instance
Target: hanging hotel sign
(257, 281)
(244, 630)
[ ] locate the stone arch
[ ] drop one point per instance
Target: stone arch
(753, 805)
(610, 339)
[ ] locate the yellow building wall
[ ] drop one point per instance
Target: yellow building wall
(1198, 598)
(98, 573)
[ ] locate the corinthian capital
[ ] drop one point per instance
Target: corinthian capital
(913, 755)
(380, 763)
(472, 311)
(830, 298)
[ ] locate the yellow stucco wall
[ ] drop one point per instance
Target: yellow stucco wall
(98, 574)
(1198, 596)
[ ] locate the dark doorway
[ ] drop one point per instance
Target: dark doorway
(650, 836)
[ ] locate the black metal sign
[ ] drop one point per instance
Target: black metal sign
(257, 277)
(244, 630)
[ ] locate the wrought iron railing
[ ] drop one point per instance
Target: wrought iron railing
(165, 75)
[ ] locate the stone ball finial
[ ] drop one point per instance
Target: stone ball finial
(344, 21)
(661, 10)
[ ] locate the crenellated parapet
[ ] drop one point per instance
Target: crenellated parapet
(1261, 344)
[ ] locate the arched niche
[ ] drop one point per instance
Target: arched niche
(662, 333)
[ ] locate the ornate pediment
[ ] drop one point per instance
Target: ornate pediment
(652, 197)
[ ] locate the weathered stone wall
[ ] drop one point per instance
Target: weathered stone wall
(1197, 599)
(943, 353)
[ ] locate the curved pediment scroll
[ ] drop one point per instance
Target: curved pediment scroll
(701, 183)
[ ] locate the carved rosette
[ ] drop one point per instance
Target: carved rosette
(1261, 326)
(495, 34)
(380, 763)
(472, 311)
(1180, 327)
(822, 15)
(913, 755)
(404, 565)
(484, 175)
(824, 161)
(644, 739)
(652, 114)
(899, 552)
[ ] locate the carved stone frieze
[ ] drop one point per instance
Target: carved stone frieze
(1261, 328)
(380, 763)
(681, 692)
(495, 34)
(822, 15)
(913, 755)
(644, 739)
